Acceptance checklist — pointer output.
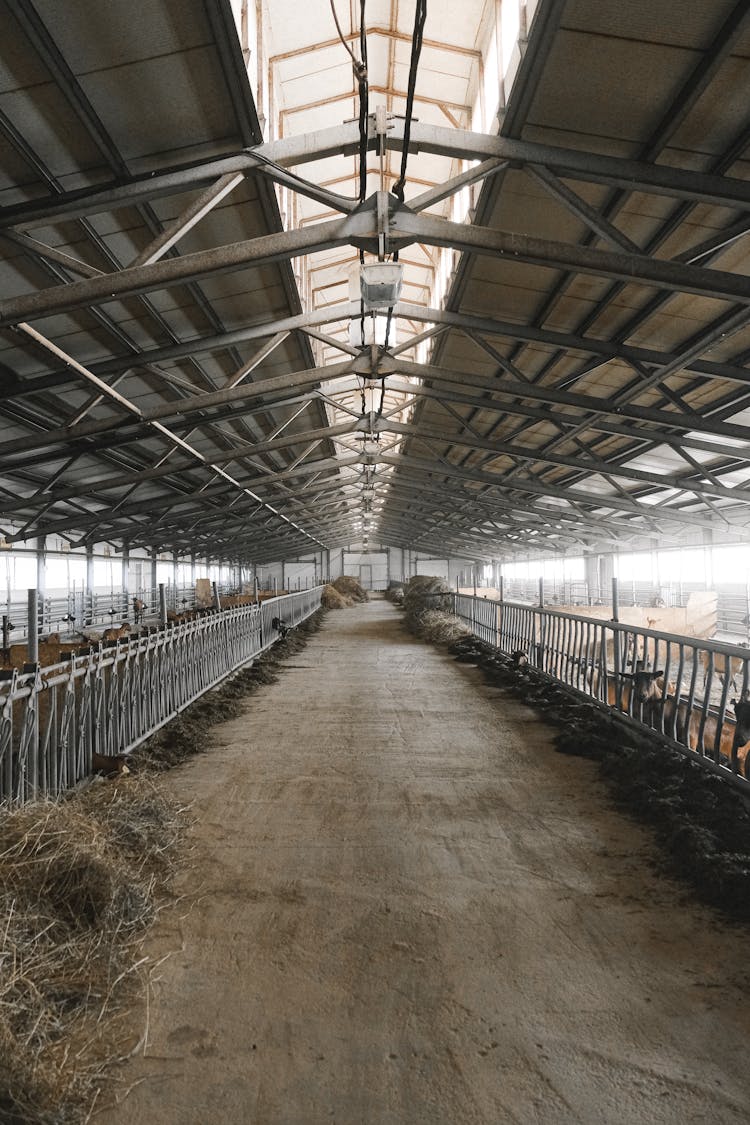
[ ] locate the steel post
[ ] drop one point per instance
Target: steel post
(33, 627)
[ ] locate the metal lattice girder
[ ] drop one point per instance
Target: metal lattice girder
(118, 520)
(233, 396)
(361, 230)
(504, 387)
(629, 175)
(518, 333)
(587, 463)
(584, 463)
(226, 457)
(276, 247)
(443, 392)
(577, 496)
(499, 388)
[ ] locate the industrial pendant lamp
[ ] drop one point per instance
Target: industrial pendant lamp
(380, 284)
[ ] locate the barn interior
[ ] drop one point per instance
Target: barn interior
(375, 294)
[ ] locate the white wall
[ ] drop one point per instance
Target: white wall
(369, 567)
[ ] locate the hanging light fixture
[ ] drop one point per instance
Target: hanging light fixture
(380, 284)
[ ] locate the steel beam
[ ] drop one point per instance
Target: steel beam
(574, 496)
(174, 271)
(507, 388)
(419, 313)
(587, 464)
(433, 231)
(232, 395)
(630, 175)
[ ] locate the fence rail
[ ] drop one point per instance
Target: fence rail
(689, 703)
(54, 719)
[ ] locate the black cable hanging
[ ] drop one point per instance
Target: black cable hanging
(420, 17)
(364, 113)
(364, 103)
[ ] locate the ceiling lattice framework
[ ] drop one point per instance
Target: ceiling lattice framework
(176, 368)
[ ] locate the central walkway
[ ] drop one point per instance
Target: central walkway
(411, 911)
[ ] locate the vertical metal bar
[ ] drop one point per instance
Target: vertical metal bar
(162, 605)
(33, 627)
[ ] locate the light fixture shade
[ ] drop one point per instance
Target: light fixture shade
(380, 284)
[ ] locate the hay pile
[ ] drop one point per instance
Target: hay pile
(441, 628)
(332, 599)
(350, 588)
(422, 594)
(81, 881)
(395, 593)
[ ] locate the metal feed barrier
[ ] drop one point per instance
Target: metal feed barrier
(598, 659)
(54, 719)
(86, 609)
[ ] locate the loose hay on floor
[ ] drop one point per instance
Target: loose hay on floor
(441, 628)
(82, 879)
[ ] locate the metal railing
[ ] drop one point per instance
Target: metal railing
(109, 699)
(688, 703)
(579, 592)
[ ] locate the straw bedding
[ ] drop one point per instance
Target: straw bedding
(81, 882)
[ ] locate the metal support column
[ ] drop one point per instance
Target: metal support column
(125, 575)
(41, 579)
(33, 627)
(32, 765)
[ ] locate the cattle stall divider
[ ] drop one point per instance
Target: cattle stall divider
(690, 709)
(109, 700)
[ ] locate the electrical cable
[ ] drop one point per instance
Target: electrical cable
(420, 17)
(382, 394)
(355, 61)
(364, 111)
(364, 102)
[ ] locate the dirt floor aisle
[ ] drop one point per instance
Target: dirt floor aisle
(414, 912)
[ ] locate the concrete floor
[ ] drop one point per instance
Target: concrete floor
(408, 909)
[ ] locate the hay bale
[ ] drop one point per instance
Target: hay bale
(350, 588)
(331, 598)
(80, 880)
